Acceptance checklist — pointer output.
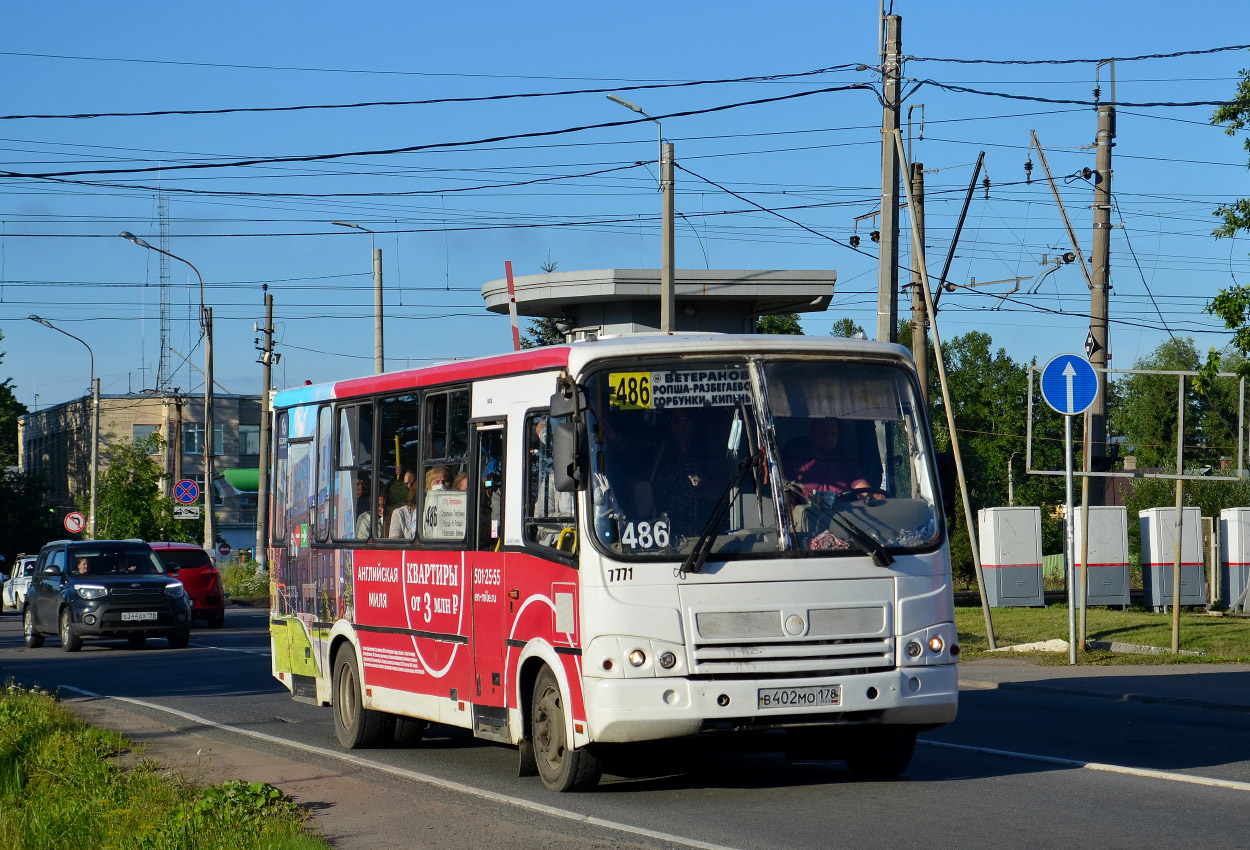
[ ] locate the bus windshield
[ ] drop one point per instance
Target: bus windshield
(754, 457)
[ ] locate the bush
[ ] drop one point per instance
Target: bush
(242, 579)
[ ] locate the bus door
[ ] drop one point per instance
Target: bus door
(486, 570)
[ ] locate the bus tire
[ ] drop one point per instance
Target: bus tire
(561, 767)
(881, 753)
(408, 730)
(355, 725)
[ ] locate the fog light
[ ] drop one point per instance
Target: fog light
(638, 658)
(913, 648)
(668, 660)
(89, 619)
(936, 644)
(182, 618)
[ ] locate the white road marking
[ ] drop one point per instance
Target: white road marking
(264, 652)
(419, 777)
(1144, 772)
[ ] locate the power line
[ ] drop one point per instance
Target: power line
(230, 110)
(429, 146)
(1175, 55)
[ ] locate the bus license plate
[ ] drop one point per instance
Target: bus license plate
(800, 697)
(138, 615)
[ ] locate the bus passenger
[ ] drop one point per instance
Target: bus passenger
(404, 517)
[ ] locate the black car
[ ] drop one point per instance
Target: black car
(104, 589)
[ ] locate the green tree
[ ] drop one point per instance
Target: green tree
(1232, 305)
(989, 393)
(1145, 409)
(845, 328)
(10, 410)
(26, 522)
(779, 323)
(130, 499)
(542, 332)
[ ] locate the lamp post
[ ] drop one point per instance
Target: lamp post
(667, 260)
(1011, 484)
(378, 360)
(206, 324)
(95, 422)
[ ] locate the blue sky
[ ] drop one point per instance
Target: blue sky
(815, 158)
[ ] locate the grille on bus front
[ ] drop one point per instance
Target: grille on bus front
(756, 643)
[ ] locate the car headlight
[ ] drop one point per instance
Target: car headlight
(174, 588)
(91, 591)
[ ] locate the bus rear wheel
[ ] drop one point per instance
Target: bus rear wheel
(561, 767)
(355, 725)
(881, 753)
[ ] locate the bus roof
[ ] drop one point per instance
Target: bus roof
(576, 356)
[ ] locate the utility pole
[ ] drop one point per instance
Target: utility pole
(379, 365)
(1096, 342)
(919, 323)
(261, 553)
(210, 539)
(668, 310)
(887, 268)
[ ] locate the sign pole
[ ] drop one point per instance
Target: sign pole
(1067, 537)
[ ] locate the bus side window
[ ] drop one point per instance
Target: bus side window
(398, 466)
(277, 515)
(445, 508)
(324, 454)
(549, 514)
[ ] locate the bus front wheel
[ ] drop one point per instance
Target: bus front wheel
(881, 753)
(355, 725)
(561, 767)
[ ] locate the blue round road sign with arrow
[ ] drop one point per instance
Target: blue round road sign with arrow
(1069, 384)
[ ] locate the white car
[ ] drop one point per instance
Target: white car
(13, 594)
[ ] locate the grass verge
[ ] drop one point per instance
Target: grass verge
(61, 787)
(1214, 639)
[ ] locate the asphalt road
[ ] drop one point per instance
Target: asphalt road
(1022, 766)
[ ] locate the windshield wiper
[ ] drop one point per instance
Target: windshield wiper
(703, 546)
(864, 539)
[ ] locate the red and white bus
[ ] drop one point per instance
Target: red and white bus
(619, 540)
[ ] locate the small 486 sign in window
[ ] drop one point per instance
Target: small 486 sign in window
(630, 390)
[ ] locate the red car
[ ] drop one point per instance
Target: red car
(199, 577)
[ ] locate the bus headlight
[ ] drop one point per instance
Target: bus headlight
(936, 643)
(668, 660)
(913, 649)
(638, 658)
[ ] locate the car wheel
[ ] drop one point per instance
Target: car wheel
(561, 767)
(179, 639)
(34, 640)
(136, 641)
(70, 642)
(355, 725)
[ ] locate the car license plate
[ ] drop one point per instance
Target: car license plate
(138, 615)
(800, 697)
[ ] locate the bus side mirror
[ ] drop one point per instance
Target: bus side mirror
(946, 483)
(568, 451)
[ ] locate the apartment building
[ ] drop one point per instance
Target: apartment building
(55, 443)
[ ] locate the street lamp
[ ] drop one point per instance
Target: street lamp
(378, 364)
(667, 261)
(206, 324)
(95, 422)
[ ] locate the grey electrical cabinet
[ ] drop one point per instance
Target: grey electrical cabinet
(1158, 548)
(1107, 575)
(1234, 554)
(1011, 556)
